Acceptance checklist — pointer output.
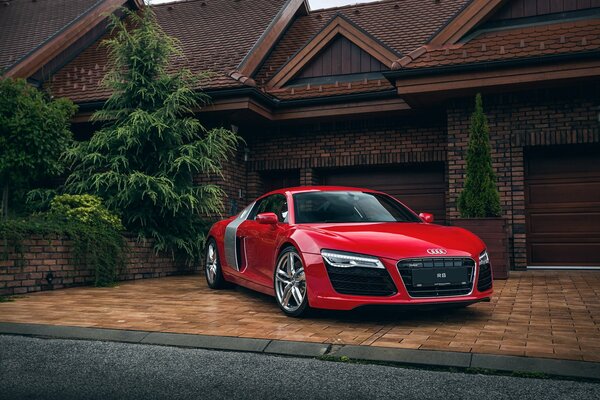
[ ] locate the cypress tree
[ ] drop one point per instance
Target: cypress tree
(480, 197)
(143, 160)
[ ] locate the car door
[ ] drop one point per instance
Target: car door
(260, 240)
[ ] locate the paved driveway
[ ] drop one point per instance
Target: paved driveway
(554, 314)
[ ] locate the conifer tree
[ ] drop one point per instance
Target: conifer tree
(143, 160)
(480, 197)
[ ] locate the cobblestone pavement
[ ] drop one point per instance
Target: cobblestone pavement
(554, 314)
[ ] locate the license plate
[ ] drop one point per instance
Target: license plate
(428, 277)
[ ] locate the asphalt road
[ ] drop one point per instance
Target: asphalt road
(32, 368)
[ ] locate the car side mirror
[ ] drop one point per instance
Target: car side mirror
(426, 217)
(267, 218)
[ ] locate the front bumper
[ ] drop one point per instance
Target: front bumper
(321, 293)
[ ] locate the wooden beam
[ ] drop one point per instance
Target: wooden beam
(342, 109)
(460, 81)
(246, 103)
(48, 51)
(338, 25)
(265, 43)
(471, 16)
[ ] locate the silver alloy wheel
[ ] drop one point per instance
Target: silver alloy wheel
(211, 263)
(290, 282)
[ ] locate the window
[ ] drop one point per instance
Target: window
(340, 207)
(275, 203)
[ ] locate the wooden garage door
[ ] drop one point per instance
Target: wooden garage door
(421, 187)
(563, 206)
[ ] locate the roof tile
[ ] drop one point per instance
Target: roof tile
(214, 35)
(25, 24)
(513, 43)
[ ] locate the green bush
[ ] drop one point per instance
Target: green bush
(480, 197)
(34, 133)
(84, 208)
(96, 233)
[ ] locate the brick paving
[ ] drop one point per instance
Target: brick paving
(553, 314)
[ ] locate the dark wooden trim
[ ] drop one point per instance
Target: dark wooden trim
(281, 111)
(341, 109)
(488, 78)
(338, 25)
(274, 31)
(472, 15)
(56, 45)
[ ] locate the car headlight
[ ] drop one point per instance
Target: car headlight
(484, 258)
(340, 259)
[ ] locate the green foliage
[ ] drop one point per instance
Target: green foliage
(97, 237)
(34, 132)
(480, 197)
(142, 162)
(84, 208)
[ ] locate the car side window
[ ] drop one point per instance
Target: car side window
(275, 203)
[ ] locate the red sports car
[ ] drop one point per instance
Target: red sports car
(342, 248)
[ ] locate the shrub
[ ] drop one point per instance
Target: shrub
(96, 233)
(480, 197)
(34, 132)
(84, 208)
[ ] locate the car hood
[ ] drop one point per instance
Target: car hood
(394, 240)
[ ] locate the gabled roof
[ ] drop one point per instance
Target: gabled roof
(398, 26)
(33, 32)
(215, 35)
(339, 25)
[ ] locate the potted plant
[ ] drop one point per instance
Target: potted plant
(479, 202)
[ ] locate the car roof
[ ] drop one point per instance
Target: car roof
(303, 189)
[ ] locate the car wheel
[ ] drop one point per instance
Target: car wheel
(212, 269)
(290, 283)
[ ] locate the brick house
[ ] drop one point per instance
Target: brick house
(376, 95)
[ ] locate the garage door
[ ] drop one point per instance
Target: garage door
(563, 206)
(421, 187)
(273, 180)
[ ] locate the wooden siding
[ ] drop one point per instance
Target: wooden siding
(341, 57)
(532, 8)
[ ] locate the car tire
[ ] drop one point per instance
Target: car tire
(291, 291)
(212, 268)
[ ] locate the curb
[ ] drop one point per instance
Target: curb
(432, 358)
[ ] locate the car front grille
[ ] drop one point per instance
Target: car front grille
(406, 267)
(484, 282)
(361, 281)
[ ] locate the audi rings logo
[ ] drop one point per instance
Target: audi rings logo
(436, 252)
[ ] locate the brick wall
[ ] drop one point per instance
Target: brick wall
(519, 120)
(307, 147)
(27, 270)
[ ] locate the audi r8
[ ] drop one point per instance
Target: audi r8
(342, 248)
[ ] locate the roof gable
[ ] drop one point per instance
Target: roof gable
(265, 43)
(214, 36)
(341, 57)
(477, 12)
(525, 8)
(338, 26)
(34, 33)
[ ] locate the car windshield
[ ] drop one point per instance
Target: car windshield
(342, 206)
